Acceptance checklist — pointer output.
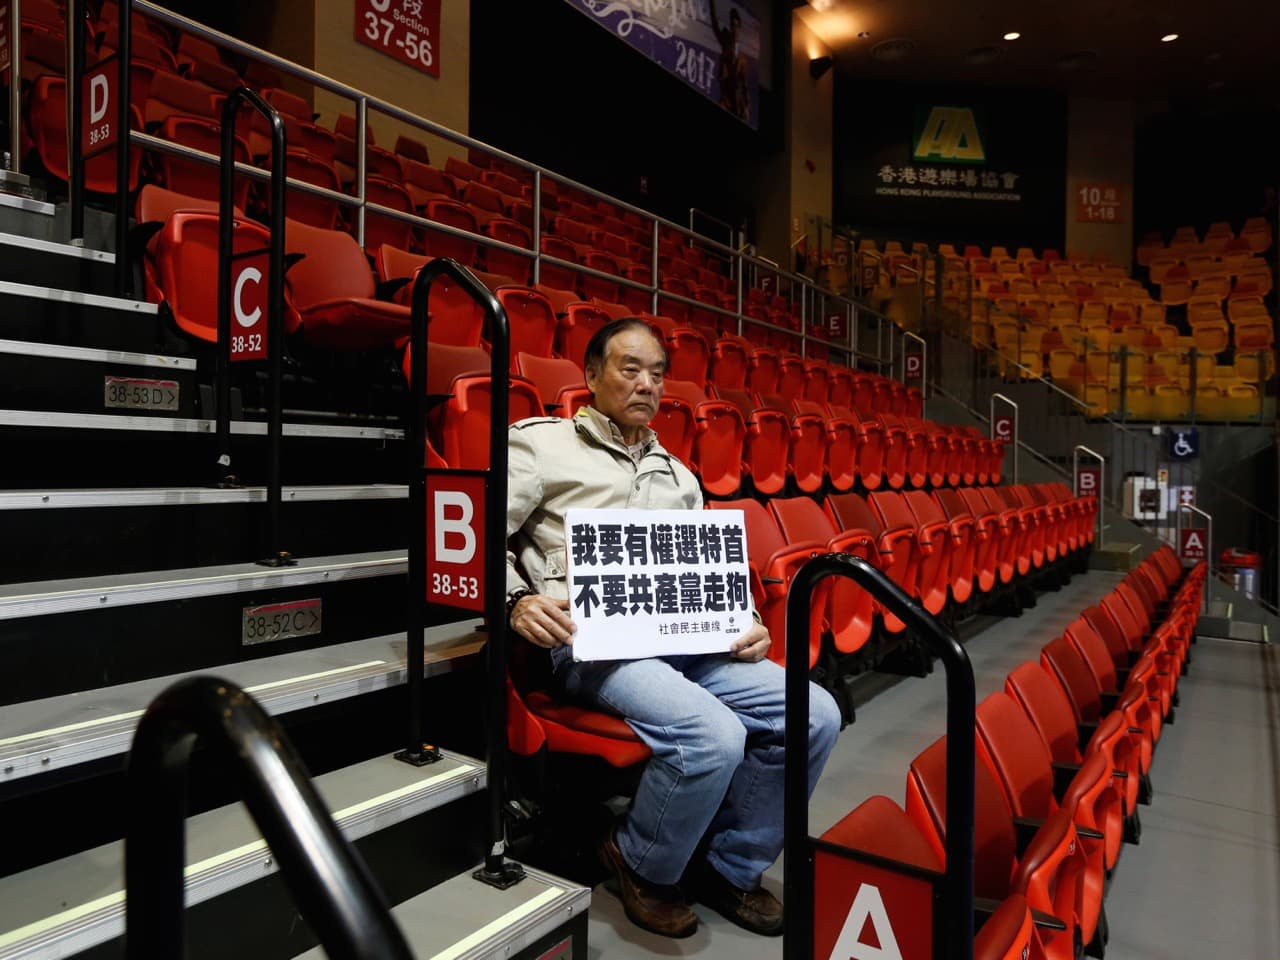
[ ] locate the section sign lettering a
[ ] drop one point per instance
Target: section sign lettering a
(713, 45)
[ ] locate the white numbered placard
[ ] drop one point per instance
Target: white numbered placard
(649, 583)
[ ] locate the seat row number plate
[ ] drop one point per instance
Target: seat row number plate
(130, 393)
(279, 621)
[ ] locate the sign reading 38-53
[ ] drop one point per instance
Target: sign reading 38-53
(408, 30)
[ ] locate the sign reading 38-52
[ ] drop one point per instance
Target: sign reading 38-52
(408, 30)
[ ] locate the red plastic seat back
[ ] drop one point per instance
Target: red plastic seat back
(577, 326)
(307, 207)
(559, 381)
(190, 176)
(994, 840)
(1094, 652)
(1060, 658)
(452, 214)
(1046, 705)
(1014, 752)
(462, 427)
(532, 321)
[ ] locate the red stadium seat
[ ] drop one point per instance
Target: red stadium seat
(1013, 752)
(186, 269)
(172, 94)
(934, 542)
(436, 243)
(963, 547)
(774, 562)
(453, 316)
(380, 228)
(47, 116)
(870, 443)
(986, 533)
(850, 609)
(560, 383)
(919, 444)
(896, 551)
(333, 289)
(767, 445)
(580, 321)
(1045, 703)
(459, 426)
(532, 322)
(552, 274)
(515, 265)
(807, 453)
(896, 450)
(687, 350)
(791, 377)
(1047, 871)
(310, 208)
(1015, 554)
(762, 373)
(192, 177)
(719, 433)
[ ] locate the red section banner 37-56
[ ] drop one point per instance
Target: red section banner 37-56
(408, 30)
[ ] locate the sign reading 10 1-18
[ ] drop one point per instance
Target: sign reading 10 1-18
(408, 30)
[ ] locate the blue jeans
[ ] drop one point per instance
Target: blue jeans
(715, 726)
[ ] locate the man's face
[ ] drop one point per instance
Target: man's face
(628, 385)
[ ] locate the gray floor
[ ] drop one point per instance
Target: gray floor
(1205, 882)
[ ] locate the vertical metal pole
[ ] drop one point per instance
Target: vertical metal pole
(277, 556)
(653, 269)
(537, 228)
(739, 269)
(75, 118)
(124, 100)
(362, 145)
(805, 292)
(15, 87)
(224, 475)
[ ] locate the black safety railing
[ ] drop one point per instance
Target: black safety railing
(331, 886)
(956, 927)
(497, 871)
(275, 556)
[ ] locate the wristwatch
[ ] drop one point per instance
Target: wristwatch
(514, 597)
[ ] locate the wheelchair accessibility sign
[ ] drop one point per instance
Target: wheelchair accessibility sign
(1184, 444)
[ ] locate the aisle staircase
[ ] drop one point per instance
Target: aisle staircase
(127, 569)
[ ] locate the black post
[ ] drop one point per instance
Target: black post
(497, 871)
(124, 46)
(956, 928)
(331, 886)
(74, 88)
(276, 555)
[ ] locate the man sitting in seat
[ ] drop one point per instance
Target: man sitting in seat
(714, 722)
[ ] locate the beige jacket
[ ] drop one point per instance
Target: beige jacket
(555, 464)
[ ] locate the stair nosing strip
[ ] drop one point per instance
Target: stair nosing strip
(53, 246)
(243, 579)
(58, 351)
(35, 291)
(102, 919)
(106, 421)
(176, 496)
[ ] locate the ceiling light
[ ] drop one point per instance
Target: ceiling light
(1012, 35)
(864, 34)
(1169, 38)
(822, 6)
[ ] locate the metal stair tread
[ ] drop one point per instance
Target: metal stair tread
(78, 498)
(128, 358)
(104, 592)
(62, 907)
(53, 246)
(98, 300)
(59, 732)
(161, 424)
(463, 919)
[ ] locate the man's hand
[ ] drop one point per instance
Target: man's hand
(543, 621)
(752, 645)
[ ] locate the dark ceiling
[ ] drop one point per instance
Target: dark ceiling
(1229, 49)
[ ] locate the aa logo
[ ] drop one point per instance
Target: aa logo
(950, 135)
(866, 934)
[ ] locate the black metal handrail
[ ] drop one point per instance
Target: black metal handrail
(956, 928)
(332, 887)
(496, 870)
(276, 555)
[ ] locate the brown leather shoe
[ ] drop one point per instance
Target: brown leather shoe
(656, 908)
(756, 910)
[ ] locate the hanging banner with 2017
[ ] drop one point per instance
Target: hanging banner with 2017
(713, 45)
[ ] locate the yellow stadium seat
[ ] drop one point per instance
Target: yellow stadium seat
(1098, 336)
(1062, 365)
(1204, 311)
(1253, 334)
(1000, 253)
(1169, 402)
(1151, 312)
(1159, 267)
(1073, 337)
(1211, 336)
(1174, 293)
(1254, 366)
(1201, 264)
(1097, 365)
(1242, 308)
(1216, 285)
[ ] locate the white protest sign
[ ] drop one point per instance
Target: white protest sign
(652, 583)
